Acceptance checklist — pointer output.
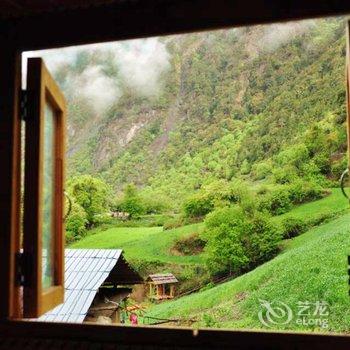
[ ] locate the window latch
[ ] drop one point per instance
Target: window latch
(23, 268)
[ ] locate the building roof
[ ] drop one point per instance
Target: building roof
(85, 271)
(162, 278)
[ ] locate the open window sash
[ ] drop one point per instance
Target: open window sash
(43, 225)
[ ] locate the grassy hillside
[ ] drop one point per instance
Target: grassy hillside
(316, 211)
(145, 243)
(149, 250)
(152, 243)
(313, 267)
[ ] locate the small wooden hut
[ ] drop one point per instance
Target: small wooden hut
(97, 284)
(161, 286)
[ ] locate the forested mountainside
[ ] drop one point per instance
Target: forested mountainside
(255, 103)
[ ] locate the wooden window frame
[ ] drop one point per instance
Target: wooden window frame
(347, 74)
(41, 91)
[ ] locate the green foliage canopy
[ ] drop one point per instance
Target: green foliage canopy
(237, 241)
(92, 194)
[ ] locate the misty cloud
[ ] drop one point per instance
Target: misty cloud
(99, 90)
(276, 35)
(53, 59)
(140, 64)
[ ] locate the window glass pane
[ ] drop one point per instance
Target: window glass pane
(48, 199)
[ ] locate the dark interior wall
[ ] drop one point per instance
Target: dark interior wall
(23, 335)
(9, 175)
(139, 18)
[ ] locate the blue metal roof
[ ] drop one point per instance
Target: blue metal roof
(85, 271)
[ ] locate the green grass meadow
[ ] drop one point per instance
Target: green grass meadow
(328, 207)
(146, 243)
(311, 267)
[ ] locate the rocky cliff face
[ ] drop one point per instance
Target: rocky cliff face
(144, 110)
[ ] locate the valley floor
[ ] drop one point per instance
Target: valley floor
(310, 270)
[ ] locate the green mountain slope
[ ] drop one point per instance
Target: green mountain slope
(231, 104)
(313, 267)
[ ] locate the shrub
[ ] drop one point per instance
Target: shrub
(310, 170)
(262, 170)
(154, 204)
(323, 163)
(142, 221)
(220, 191)
(262, 239)
(319, 219)
(285, 175)
(190, 245)
(296, 155)
(224, 247)
(236, 241)
(339, 166)
(132, 206)
(217, 194)
(245, 167)
(304, 191)
(76, 223)
(131, 202)
(276, 202)
(159, 220)
(92, 194)
(173, 223)
(103, 218)
(208, 286)
(293, 227)
(261, 190)
(239, 192)
(198, 205)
